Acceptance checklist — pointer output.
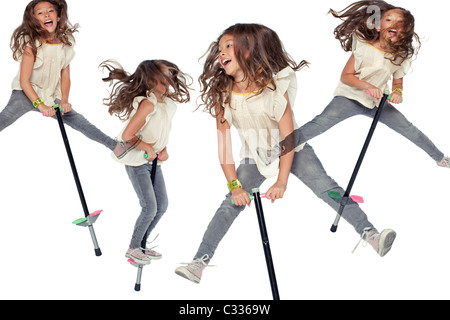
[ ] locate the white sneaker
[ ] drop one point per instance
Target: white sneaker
(152, 253)
(381, 242)
(138, 256)
(445, 162)
(193, 271)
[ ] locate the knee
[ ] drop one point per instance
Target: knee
(228, 210)
(162, 206)
(149, 207)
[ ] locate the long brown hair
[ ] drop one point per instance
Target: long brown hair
(30, 30)
(265, 56)
(125, 86)
(357, 19)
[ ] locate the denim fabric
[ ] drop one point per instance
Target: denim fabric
(19, 104)
(341, 108)
(152, 198)
(308, 168)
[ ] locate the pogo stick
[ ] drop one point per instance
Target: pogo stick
(344, 199)
(89, 218)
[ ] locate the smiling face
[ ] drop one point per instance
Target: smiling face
(227, 57)
(47, 16)
(391, 25)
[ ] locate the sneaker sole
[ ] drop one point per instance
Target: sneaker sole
(185, 273)
(155, 257)
(138, 261)
(387, 238)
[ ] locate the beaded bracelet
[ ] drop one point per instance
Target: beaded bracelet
(37, 102)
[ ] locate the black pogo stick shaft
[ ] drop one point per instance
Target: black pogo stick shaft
(137, 286)
(345, 198)
(77, 179)
(266, 244)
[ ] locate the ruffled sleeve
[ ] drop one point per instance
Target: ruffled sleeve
(39, 61)
(69, 53)
(171, 108)
(137, 101)
(358, 50)
(39, 56)
(227, 114)
(286, 81)
(403, 70)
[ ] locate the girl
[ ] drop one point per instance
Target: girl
(145, 101)
(379, 52)
(43, 44)
(249, 81)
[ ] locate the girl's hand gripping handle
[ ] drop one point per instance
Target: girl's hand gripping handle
(263, 195)
(49, 111)
(157, 155)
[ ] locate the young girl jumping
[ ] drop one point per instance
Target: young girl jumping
(249, 81)
(145, 100)
(43, 44)
(381, 38)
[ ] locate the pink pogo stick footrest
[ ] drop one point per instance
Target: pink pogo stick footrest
(96, 213)
(89, 220)
(357, 199)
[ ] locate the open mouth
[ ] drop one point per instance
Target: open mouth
(392, 32)
(226, 62)
(48, 23)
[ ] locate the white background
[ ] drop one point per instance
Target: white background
(43, 256)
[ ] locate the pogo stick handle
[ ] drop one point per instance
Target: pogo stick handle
(55, 106)
(146, 156)
(263, 195)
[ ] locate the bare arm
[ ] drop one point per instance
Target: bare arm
(348, 77)
(396, 96)
(26, 68)
(240, 196)
(286, 126)
(136, 123)
(65, 89)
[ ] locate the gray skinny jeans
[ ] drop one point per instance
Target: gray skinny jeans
(152, 198)
(341, 108)
(19, 104)
(308, 168)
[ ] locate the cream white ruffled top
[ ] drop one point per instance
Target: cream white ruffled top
(371, 66)
(155, 131)
(46, 76)
(256, 118)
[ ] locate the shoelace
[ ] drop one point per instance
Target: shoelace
(150, 242)
(363, 238)
(137, 253)
(197, 263)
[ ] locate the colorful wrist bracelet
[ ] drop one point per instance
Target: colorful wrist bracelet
(234, 184)
(37, 102)
(399, 91)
